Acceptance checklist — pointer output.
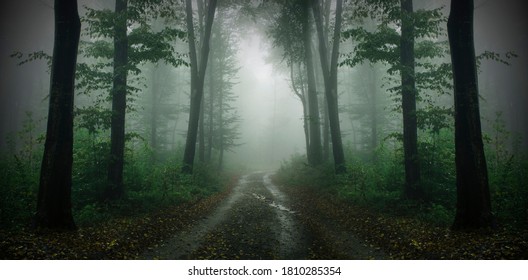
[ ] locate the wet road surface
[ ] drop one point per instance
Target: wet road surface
(256, 221)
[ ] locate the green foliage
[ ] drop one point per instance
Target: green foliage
(437, 164)
(374, 28)
(38, 55)
(296, 172)
(149, 186)
(20, 170)
(377, 184)
(19, 187)
(497, 57)
(508, 174)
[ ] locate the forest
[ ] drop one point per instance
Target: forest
(263, 129)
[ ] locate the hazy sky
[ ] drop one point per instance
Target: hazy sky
(271, 116)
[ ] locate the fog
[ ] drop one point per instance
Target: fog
(271, 117)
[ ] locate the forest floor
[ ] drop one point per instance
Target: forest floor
(256, 219)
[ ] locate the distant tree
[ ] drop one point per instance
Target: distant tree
(222, 125)
(329, 65)
(292, 32)
(198, 67)
(54, 196)
(473, 195)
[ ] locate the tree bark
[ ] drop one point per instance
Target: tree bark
(373, 114)
(54, 195)
(413, 188)
(315, 156)
(211, 109)
(115, 188)
(197, 80)
(330, 80)
(221, 126)
(302, 96)
(154, 114)
(201, 133)
(473, 195)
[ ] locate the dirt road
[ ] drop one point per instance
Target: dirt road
(258, 221)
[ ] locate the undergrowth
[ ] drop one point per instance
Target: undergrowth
(149, 184)
(378, 184)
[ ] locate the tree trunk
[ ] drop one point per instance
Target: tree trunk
(410, 129)
(197, 80)
(115, 189)
(330, 80)
(221, 126)
(211, 110)
(302, 96)
(473, 195)
(54, 196)
(326, 131)
(373, 114)
(315, 156)
(201, 134)
(154, 114)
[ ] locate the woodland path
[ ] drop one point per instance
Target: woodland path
(257, 220)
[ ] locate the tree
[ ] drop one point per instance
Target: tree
(115, 187)
(414, 55)
(473, 195)
(222, 127)
(198, 67)
(292, 33)
(330, 79)
(54, 196)
(408, 91)
(134, 42)
(315, 148)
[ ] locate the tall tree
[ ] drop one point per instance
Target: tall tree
(115, 187)
(329, 66)
(415, 47)
(408, 89)
(222, 125)
(473, 195)
(198, 67)
(292, 33)
(315, 148)
(124, 39)
(54, 196)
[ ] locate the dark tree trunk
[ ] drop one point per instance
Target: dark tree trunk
(115, 189)
(221, 126)
(330, 80)
(197, 80)
(315, 156)
(410, 135)
(302, 96)
(201, 134)
(211, 109)
(373, 114)
(54, 196)
(473, 195)
(154, 115)
(326, 131)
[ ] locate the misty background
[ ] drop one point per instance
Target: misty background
(271, 116)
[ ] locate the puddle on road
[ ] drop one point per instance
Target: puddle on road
(272, 203)
(289, 233)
